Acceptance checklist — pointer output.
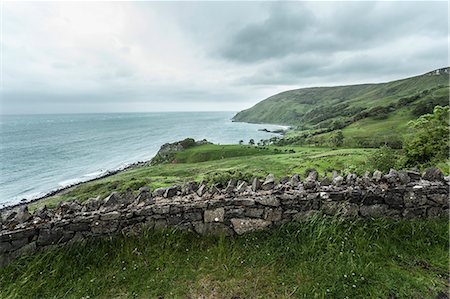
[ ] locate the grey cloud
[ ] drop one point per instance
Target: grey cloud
(300, 27)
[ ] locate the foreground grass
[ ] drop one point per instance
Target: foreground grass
(201, 162)
(323, 258)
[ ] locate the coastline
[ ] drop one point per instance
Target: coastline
(63, 189)
(106, 174)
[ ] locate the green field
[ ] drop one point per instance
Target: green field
(201, 162)
(325, 258)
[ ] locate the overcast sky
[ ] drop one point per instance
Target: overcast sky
(204, 56)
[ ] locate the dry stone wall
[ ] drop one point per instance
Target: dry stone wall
(238, 208)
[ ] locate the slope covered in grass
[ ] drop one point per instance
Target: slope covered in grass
(335, 107)
(324, 258)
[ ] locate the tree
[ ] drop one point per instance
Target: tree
(251, 142)
(241, 142)
(338, 139)
(429, 141)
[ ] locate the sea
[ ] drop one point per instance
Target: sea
(43, 153)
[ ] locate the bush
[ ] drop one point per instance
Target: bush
(384, 159)
(430, 138)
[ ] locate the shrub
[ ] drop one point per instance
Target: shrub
(383, 159)
(430, 138)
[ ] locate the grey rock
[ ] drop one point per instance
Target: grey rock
(256, 184)
(22, 215)
(403, 177)
(295, 180)
(254, 212)
(377, 210)
(92, 204)
(242, 226)
(159, 192)
(5, 247)
(269, 183)
(268, 201)
(338, 180)
(392, 176)
(214, 190)
(231, 186)
(313, 175)
(170, 191)
(325, 181)
(351, 178)
(104, 227)
(241, 187)
(216, 215)
(144, 189)
(273, 214)
(112, 200)
(144, 197)
(49, 236)
(201, 190)
(377, 175)
(161, 209)
(110, 216)
(212, 229)
(413, 175)
(433, 174)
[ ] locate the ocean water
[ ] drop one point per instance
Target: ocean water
(41, 153)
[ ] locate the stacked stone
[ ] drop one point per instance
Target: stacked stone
(238, 208)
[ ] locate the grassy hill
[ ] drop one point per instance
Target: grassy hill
(323, 109)
(324, 258)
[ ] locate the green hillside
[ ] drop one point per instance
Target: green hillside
(323, 109)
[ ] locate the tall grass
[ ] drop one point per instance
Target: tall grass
(325, 258)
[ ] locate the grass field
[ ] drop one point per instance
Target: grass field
(325, 258)
(198, 163)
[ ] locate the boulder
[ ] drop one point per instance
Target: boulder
(403, 177)
(201, 190)
(112, 200)
(392, 176)
(351, 178)
(241, 187)
(325, 181)
(216, 215)
(22, 215)
(159, 192)
(212, 228)
(312, 176)
(242, 226)
(230, 187)
(256, 184)
(311, 180)
(171, 191)
(269, 183)
(92, 204)
(295, 180)
(413, 175)
(144, 197)
(214, 189)
(338, 180)
(433, 174)
(377, 210)
(377, 175)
